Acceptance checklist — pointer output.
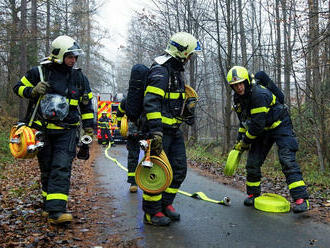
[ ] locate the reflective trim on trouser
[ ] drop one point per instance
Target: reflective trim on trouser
(287, 148)
(151, 204)
(43, 193)
(55, 160)
(133, 148)
(174, 147)
(256, 157)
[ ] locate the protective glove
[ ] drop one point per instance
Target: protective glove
(157, 143)
(241, 146)
(89, 131)
(39, 89)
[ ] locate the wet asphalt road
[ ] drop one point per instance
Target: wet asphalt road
(205, 224)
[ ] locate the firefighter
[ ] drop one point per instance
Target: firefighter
(104, 125)
(58, 122)
(264, 120)
(163, 103)
(133, 147)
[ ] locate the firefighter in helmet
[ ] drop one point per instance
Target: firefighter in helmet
(163, 102)
(265, 120)
(63, 92)
(104, 125)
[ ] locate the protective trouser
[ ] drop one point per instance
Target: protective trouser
(133, 148)
(287, 147)
(55, 161)
(174, 147)
(105, 131)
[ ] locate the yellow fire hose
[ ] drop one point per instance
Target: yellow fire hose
(23, 140)
(163, 161)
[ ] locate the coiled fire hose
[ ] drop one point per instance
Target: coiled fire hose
(24, 142)
(158, 176)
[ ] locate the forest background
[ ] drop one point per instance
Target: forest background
(290, 40)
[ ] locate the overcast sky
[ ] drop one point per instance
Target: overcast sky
(115, 16)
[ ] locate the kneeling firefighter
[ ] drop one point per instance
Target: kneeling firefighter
(63, 92)
(265, 120)
(163, 102)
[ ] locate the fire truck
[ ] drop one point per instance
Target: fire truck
(111, 108)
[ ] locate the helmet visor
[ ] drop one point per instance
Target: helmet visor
(75, 50)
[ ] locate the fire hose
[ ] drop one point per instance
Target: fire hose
(154, 174)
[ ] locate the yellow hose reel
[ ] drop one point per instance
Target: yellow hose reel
(22, 142)
(124, 126)
(156, 178)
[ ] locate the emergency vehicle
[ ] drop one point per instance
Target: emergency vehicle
(111, 108)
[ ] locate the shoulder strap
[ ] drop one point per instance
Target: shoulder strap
(41, 75)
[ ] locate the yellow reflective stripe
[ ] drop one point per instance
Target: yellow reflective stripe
(87, 116)
(155, 90)
(154, 115)
(148, 217)
(274, 125)
(174, 95)
(103, 122)
(259, 110)
(74, 102)
(273, 101)
(57, 196)
(53, 126)
(170, 121)
(296, 184)
(90, 95)
(253, 184)
(21, 90)
(43, 193)
(131, 174)
(26, 82)
(120, 109)
(119, 118)
(152, 198)
(249, 135)
(171, 190)
(242, 130)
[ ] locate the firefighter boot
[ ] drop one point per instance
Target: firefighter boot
(249, 201)
(59, 218)
(171, 213)
(302, 205)
(158, 219)
(133, 188)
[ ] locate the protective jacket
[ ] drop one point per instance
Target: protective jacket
(65, 81)
(103, 122)
(259, 110)
(164, 96)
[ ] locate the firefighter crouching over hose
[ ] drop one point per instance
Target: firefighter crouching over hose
(163, 101)
(264, 120)
(58, 119)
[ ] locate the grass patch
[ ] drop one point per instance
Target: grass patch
(5, 155)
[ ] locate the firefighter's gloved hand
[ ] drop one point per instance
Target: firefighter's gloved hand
(241, 146)
(39, 89)
(157, 143)
(263, 78)
(88, 131)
